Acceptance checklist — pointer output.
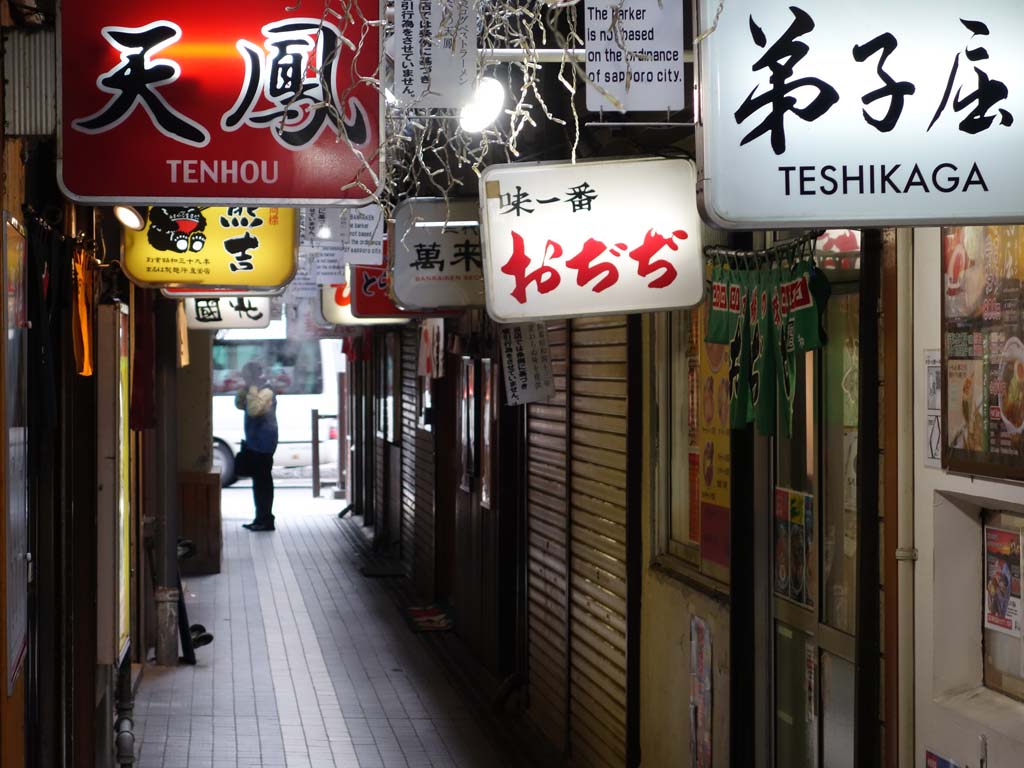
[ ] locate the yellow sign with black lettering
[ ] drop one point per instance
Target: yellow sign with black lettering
(240, 246)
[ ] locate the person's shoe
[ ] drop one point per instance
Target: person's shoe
(260, 526)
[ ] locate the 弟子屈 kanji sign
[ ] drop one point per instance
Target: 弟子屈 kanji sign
(217, 102)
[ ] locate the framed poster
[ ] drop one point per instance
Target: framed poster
(16, 539)
(983, 351)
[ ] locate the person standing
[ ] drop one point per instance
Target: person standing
(259, 402)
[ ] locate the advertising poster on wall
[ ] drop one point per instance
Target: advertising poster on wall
(983, 350)
(1002, 581)
(933, 408)
(933, 760)
(714, 454)
(700, 693)
(796, 547)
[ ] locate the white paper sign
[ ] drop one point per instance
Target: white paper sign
(334, 237)
(635, 52)
(435, 52)
(437, 261)
(336, 308)
(303, 284)
(933, 408)
(214, 312)
(431, 351)
(564, 240)
(857, 114)
(526, 360)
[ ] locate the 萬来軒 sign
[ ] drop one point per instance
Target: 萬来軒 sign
(334, 237)
(614, 236)
(818, 113)
(336, 307)
(435, 53)
(216, 312)
(437, 260)
(635, 52)
(218, 102)
(195, 247)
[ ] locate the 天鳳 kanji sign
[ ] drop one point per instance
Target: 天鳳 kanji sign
(217, 102)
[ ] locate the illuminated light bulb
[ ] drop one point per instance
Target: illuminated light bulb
(130, 217)
(485, 106)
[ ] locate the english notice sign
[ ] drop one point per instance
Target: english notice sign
(817, 113)
(217, 102)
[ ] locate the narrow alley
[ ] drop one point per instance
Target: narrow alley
(311, 663)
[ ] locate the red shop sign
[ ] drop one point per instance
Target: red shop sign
(214, 102)
(370, 296)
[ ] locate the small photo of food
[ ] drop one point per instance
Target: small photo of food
(1011, 398)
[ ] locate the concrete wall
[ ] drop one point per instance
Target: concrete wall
(952, 707)
(195, 405)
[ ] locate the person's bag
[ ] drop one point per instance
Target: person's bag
(244, 461)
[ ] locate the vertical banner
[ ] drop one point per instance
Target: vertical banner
(700, 693)
(431, 351)
(635, 52)
(526, 360)
(714, 447)
(435, 57)
(1002, 581)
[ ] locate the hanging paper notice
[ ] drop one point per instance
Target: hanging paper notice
(1002, 581)
(435, 55)
(526, 358)
(334, 237)
(700, 693)
(431, 352)
(635, 52)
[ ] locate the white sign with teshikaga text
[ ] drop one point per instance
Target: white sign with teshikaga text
(635, 51)
(435, 52)
(211, 313)
(607, 237)
(437, 261)
(816, 113)
(526, 360)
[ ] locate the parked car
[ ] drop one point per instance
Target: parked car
(303, 373)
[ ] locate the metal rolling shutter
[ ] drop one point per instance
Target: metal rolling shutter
(409, 417)
(597, 472)
(547, 526)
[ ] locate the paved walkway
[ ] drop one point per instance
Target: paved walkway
(311, 665)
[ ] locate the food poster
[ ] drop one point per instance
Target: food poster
(796, 547)
(700, 693)
(983, 349)
(1002, 581)
(713, 446)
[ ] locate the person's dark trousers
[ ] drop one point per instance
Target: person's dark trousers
(263, 487)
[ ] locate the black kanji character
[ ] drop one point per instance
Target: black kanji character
(237, 216)
(208, 310)
(516, 202)
(428, 256)
(246, 308)
(467, 253)
(988, 93)
(239, 248)
(581, 197)
(288, 79)
(780, 59)
(137, 80)
(897, 92)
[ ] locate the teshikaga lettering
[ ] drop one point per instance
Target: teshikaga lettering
(882, 179)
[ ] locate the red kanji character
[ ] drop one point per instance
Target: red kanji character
(644, 254)
(583, 263)
(546, 278)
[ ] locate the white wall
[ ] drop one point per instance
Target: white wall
(952, 708)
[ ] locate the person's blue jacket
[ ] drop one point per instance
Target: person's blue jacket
(260, 406)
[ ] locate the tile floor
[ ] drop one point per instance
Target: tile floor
(312, 664)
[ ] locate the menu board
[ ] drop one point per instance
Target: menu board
(983, 350)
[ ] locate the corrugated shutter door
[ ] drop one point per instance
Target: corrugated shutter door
(547, 525)
(410, 350)
(597, 446)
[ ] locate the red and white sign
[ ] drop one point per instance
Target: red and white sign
(336, 307)
(371, 293)
(217, 102)
(608, 237)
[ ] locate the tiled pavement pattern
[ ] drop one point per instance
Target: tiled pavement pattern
(311, 663)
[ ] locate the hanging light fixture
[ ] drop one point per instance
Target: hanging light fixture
(485, 106)
(130, 216)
